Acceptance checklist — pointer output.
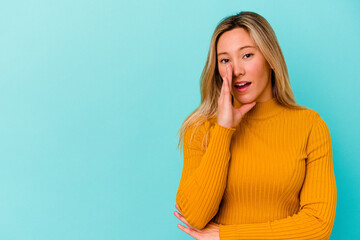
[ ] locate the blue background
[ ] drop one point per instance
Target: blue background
(92, 94)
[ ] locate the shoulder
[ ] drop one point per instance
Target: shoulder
(309, 120)
(304, 122)
(319, 137)
(306, 116)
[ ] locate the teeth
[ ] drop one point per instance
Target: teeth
(241, 84)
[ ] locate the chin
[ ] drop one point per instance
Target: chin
(245, 99)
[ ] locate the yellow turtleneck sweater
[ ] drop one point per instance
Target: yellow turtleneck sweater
(271, 177)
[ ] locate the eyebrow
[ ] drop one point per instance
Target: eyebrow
(238, 49)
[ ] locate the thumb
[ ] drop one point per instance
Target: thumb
(245, 108)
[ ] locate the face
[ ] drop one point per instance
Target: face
(247, 63)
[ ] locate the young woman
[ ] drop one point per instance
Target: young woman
(256, 164)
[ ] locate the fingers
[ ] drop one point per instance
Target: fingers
(188, 231)
(222, 88)
(225, 93)
(229, 75)
(227, 80)
(183, 219)
(225, 107)
(246, 107)
(240, 112)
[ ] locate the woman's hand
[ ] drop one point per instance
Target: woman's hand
(227, 115)
(210, 232)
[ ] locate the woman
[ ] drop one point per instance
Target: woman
(256, 164)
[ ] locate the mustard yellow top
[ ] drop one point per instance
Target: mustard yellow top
(271, 177)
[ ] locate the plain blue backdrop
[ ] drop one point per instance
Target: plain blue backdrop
(92, 94)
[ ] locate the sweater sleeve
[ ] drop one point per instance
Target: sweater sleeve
(204, 174)
(318, 195)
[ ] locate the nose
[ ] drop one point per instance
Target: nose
(238, 69)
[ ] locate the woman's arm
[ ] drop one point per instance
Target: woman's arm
(204, 174)
(318, 197)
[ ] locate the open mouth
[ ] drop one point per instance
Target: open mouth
(242, 86)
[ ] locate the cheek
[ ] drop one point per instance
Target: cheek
(254, 68)
(257, 70)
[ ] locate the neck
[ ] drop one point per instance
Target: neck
(262, 110)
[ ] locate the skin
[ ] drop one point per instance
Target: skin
(235, 64)
(210, 232)
(247, 64)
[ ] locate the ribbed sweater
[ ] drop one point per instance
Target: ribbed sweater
(270, 177)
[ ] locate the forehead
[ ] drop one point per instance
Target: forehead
(234, 39)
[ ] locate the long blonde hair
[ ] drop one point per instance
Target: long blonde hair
(210, 85)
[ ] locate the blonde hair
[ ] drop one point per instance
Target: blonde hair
(210, 85)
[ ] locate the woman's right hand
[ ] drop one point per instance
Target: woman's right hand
(227, 115)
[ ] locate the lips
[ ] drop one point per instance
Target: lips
(242, 86)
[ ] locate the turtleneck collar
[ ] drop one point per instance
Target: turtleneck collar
(263, 110)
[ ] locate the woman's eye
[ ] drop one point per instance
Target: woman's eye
(248, 55)
(222, 60)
